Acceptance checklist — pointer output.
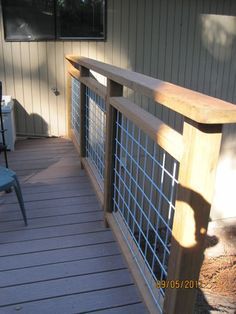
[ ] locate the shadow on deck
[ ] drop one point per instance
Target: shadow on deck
(65, 261)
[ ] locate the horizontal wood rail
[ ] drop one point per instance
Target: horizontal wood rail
(98, 88)
(193, 105)
(74, 72)
(195, 152)
(170, 140)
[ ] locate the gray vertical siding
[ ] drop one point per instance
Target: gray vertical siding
(174, 40)
(187, 42)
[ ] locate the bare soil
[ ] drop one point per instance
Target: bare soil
(218, 293)
(218, 275)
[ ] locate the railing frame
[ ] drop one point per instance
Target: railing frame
(197, 149)
(84, 72)
(113, 89)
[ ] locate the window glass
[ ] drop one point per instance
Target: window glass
(80, 18)
(28, 19)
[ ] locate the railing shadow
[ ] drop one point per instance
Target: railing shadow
(202, 241)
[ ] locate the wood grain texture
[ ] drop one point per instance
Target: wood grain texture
(75, 141)
(95, 86)
(194, 197)
(132, 264)
(165, 39)
(65, 261)
(113, 89)
(166, 137)
(85, 302)
(73, 71)
(68, 102)
(95, 180)
(84, 72)
(193, 105)
(67, 269)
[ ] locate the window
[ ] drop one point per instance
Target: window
(32, 20)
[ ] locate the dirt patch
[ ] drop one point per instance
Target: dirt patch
(218, 275)
(214, 304)
(218, 292)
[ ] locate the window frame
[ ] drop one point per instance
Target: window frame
(56, 36)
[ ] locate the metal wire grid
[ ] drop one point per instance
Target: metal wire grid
(95, 132)
(75, 107)
(145, 182)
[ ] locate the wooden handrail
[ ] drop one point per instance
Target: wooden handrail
(197, 150)
(73, 71)
(94, 86)
(193, 105)
(167, 138)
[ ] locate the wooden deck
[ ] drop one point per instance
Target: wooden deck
(65, 261)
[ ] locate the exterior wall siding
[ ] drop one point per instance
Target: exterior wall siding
(189, 43)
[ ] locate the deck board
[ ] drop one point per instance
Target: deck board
(43, 212)
(87, 302)
(65, 261)
(58, 256)
(61, 270)
(51, 221)
(48, 232)
(52, 203)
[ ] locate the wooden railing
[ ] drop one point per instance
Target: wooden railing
(137, 145)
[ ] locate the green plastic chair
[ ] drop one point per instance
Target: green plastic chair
(8, 179)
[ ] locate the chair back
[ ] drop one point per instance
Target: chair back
(3, 146)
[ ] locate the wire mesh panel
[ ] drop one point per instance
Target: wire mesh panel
(95, 132)
(145, 182)
(75, 107)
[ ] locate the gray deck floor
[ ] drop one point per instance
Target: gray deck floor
(65, 261)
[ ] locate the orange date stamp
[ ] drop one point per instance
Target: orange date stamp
(179, 284)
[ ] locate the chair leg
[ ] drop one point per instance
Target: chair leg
(20, 200)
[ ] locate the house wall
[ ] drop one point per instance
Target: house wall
(188, 42)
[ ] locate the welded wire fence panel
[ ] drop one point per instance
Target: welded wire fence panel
(145, 182)
(75, 107)
(95, 132)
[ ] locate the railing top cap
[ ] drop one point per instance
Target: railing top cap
(193, 105)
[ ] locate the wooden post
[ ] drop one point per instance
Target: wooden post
(113, 89)
(84, 72)
(195, 192)
(68, 103)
